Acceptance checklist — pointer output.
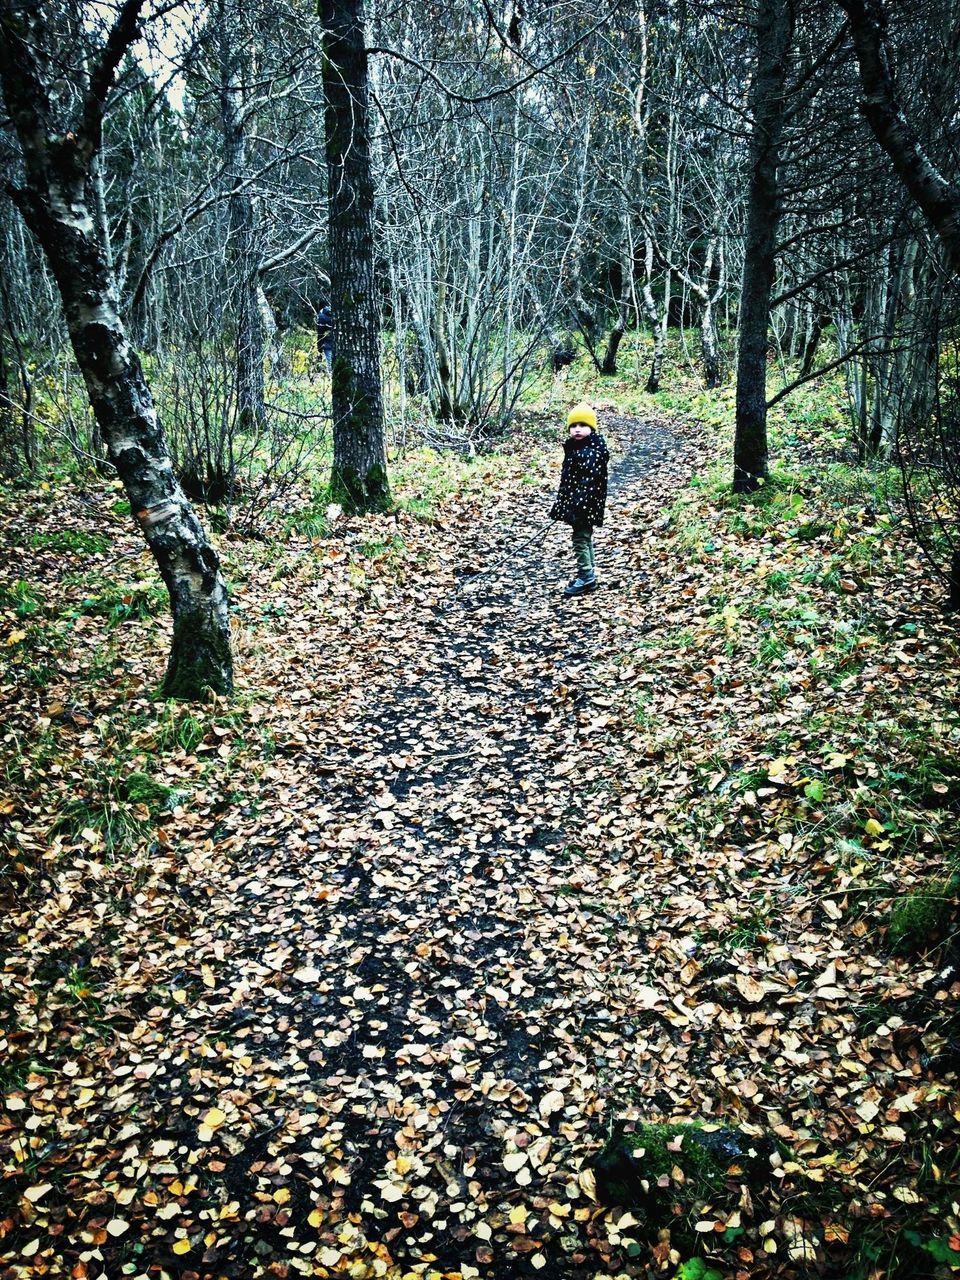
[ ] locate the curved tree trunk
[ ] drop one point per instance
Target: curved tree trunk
(58, 203)
(937, 197)
(200, 658)
(359, 478)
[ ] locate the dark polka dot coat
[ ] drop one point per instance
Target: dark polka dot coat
(583, 482)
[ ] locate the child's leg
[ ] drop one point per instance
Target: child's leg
(583, 549)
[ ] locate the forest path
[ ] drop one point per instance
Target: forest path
(457, 957)
(462, 877)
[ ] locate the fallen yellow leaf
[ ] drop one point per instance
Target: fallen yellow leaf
(749, 988)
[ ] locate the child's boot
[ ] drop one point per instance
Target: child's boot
(584, 582)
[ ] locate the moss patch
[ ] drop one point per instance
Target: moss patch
(140, 788)
(361, 493)
(659, 1168)
(921, 918)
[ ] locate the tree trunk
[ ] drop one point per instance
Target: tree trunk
(653, 316)
(708, 342)
(10, 343)
(936, 197)
(812, 341)
(58, 203)
(774, 32)
(200, 658)
(272, 343)
(243, 253)
(8, 448)
(609, 365)
(359, 478)
(953, 583)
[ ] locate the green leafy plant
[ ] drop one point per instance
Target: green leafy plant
(697, 1269)
(122, 602)
(22, 597)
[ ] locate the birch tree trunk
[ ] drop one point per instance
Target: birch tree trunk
(654, 316)
(708, 342)
(359, 478)
(609, 366)
(774, 32)
(57, 200)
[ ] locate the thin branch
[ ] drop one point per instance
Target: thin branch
(290, 251)
(470, 99)
(174, 229)
(818, 373)
(832, 268)
(123, 34)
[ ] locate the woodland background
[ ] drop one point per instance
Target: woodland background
(374, 936)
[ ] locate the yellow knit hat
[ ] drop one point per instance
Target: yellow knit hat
(582, 413)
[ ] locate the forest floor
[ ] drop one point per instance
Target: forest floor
(357, 974)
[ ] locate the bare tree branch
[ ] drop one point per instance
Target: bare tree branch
(123, 34)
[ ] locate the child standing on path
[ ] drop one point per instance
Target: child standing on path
(583, 492)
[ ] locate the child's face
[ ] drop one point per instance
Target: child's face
(579, 431)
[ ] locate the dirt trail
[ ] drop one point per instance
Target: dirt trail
(391, 993)
(432, 1008)
(478, 872)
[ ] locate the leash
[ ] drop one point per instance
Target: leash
(539, 534)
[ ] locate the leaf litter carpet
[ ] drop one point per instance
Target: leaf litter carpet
(449, 994)
(392, 996)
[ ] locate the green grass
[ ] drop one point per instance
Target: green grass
(377, 548)
(72, 541)
(80, 983)
(178, 727)
(21, 597)
(310, 521)
(771, 649)
(113, 812)
(779, 580)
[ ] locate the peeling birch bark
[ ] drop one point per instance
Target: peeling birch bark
(57, 200)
